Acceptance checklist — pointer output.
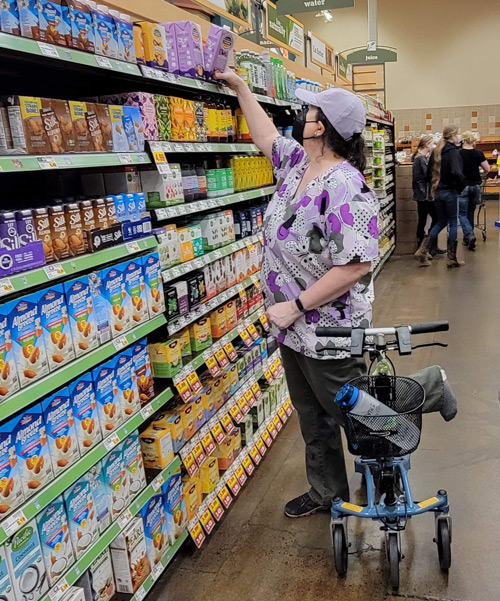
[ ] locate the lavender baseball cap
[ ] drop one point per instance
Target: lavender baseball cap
(343, 109)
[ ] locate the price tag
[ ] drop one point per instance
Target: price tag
(248, 465)
(233, 148)
(242, 404)
(208, 443)
(212, 203)
(54, 270)
(121, 342)
(6, 286)
(257, 392)
(184, 390)
(125, 158)
(227, 423)
(111, 441)
(124, 518)
(239, 472)
(230, 350)
(194, 382)
(189, 147)
(269, 435)
(233, 484)
(147, 411)
(159, 156)
(282, 415)
(261, 446)
(207, 521)
(287, 406)
(218, 433)
(59, 590)
(221, 357)
(216, 508)
(197, 534)
(48, 50)
(279, 367)
(176, 272)
(178, 148)
(133, 247)
(157, 571)
(265, 323)
(277, 423)
(199, 454)
(236, 413)
(190, 464)
(269, 376)
(211, 363)
(255, 455)
(224, 496)
(157, 483)
(14, 522)
(252, 330)
(249, 398)
(274, 368)
(245, 336)
(103, 61)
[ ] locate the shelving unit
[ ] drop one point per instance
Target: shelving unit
(487, 145)
(24, 162)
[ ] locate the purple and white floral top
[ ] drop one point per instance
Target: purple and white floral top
(332, 222)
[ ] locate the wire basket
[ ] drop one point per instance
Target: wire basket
(391, 435)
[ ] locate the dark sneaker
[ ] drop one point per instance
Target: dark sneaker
(303, 506)
(472, 243)
(465, 242)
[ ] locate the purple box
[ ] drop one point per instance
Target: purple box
(28, 257)
(8, 231)
(171, 47)
(145, 102)
(189, 49)
(25, 225)
(181, 289)
(219, 45)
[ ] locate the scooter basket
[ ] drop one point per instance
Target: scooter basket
(391, 435)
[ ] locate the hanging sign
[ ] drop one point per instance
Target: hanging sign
(362, 56)
(344, 69)
(308, 6)
(322, 54)
(237, 11)
(284, 30)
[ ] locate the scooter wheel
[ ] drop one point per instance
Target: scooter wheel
(393, 553)
(444, 544)
(340, 555)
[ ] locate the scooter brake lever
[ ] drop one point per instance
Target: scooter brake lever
(444, 345)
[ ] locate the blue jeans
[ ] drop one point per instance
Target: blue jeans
(447, 214)
(467, 202)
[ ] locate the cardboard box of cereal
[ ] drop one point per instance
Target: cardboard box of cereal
(60, 428)
(155, 531)
(154, 284)
(25, 328)
(82, 520)
(108, 406)
(87, 427)
(115, 294)
(11, 487)
(137, 305)
(9, 379)
(32, 450)
(81, 315)
(57, 549)
(56, 328)
(126, 382)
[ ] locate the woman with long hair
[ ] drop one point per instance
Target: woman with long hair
(320, 241)
(447, 181)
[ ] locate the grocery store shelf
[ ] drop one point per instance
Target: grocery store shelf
(44, 275)
(112, 532)
(211, 203)
(181, 322)
(387, 228)
(39, 501)
(184, 147)
(210, 257)
(62, 376)
(383, 261)
(387, 206)
(377, 120)
(25, 162)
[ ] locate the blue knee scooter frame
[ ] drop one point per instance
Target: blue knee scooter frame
(383, 464)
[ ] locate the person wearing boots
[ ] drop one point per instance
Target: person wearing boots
(447, 181)
(420, 184)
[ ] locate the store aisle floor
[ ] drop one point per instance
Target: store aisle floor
(257, 554)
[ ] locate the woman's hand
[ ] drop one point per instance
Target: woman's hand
(284, 314)
(231, 79)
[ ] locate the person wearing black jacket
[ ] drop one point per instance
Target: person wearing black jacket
(446, 179)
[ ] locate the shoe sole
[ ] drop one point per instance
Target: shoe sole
(309, 513)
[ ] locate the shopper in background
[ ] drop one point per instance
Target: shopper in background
(472, 160)
(320, 239)
(447, 181)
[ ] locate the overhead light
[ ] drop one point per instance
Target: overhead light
(326, 14)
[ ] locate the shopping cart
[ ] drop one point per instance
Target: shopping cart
(383, 445)
(480, 220)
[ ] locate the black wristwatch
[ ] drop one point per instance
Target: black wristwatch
(300, 306)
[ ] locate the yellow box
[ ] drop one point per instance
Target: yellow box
(176, 106)
(231, 315)
(188, 417)
(218, 322)
(156, 447)
(186, 243)
(236, 442)
(166, 359)
(208, 400)
(153, 39)
(209, 474)
(199, 412)
(192, 494)
(171, 421)
(217, 395)
(224, 454)
(200, 333)
(189, 121)
(233, 377)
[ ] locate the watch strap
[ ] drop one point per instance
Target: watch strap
(300, 306)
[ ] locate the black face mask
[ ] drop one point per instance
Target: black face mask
(299, 124)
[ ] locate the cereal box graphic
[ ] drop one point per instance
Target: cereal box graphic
(60, 428)
(25, 328)
(115, 293)
(81, 315)
(154, 284)
(9, 380)
(85, 414)
(11, 487)
(108, 403)
(56, 328)
(82, 520)
(32, 450)
(136, 293)
(126, 382)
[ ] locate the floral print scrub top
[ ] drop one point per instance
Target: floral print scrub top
(332, 222)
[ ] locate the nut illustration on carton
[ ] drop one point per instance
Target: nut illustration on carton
(142, 368)
(106, 390)
(115, 294)
(115, 478)
(155, 530)
(88, 429)
(154, 284)
(136, 293)
(56, 328)
(9, 380)
(126, 382)
(11, 487)
(81, 315)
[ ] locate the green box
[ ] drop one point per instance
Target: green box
(162, 109)
(195, 233)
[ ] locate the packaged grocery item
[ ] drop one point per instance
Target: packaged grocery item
(200, 334)
(60, 429)
(113, 471)
(153, 518)
(185, 342)
(109, 408)
(130, 558)
(77, 111)
(153, 37)
(43, 232)
(9, 17)
(196, 239)
(25, 226)
(100, 496)
(200, 122)
(120, 142)
(137, 306)
(176, 108)
(171, 47)
(134, 114)
(82, 27)
(74, 593)
(125, 36)
(134, 464)
(166, 358)
(9, 379)
(26, 124)
(29, 21)
(9, 238)
(162, 109)
(189, 48)
(129, 131)
(142, 370)
(188, 418)
(194, 291)
(217, 50)
(154, 284)
(11, 483)
(53, 531)
(104, 119)
(59, 232)
(145, 102)
(115, 294)
(94, 127)
(24, 558)
(52, 24)
(126, 383)
(192, 494)
(6, 587)
(156, 446)
(98, 582)
(163, 190)
(218, 322)
(87, 428)
(81, 317)
(175, 507)
(171, 421)
(209, 475)
(106, 41)
(182, 297)
(24, 325)
(189, 121)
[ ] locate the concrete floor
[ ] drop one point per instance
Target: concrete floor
(256, 554)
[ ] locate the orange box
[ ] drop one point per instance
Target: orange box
(189, 121)
(218, 322)
(186, 244)
(177, 118)
(231, 315)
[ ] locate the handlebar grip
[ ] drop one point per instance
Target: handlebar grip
(334, 332)
(427, 328)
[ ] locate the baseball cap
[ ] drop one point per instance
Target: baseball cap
(343, 109)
